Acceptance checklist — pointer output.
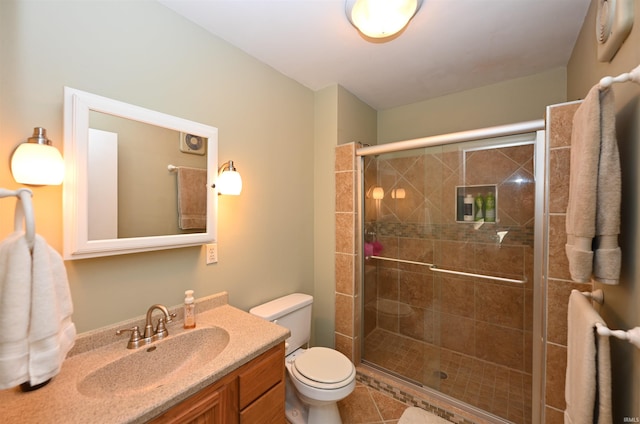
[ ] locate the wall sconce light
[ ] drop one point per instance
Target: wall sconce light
(376, 193)
(398, 193)
(381, 18)
(229, 180)
(37, 162)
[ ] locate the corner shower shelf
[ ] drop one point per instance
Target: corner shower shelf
(434, 268)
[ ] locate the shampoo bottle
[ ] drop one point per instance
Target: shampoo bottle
(189, 310)
(479, 202)
(490, 207)
(468, 208)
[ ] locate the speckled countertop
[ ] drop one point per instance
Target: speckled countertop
(67, 399)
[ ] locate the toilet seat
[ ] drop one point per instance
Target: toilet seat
(323, 368)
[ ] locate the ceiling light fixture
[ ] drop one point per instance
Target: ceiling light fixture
(381, 18)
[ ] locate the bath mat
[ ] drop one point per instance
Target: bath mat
(414, 415)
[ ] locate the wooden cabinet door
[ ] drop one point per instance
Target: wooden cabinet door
(216, 404)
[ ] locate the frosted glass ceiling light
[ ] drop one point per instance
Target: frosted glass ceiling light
(381, 18)
(37, 162)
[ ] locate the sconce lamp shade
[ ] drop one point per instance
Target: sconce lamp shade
(381, 18)
(229, 180)
(36, 162)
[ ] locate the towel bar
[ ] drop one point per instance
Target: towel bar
(24, 212)
(633, 75)
(596, 295)
(632, 336)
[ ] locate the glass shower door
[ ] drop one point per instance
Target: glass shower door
(448, 301)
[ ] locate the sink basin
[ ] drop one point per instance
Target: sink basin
(156, 364)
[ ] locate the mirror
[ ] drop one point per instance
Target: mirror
(136, 180)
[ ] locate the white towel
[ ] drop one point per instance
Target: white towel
(36, 331)
(15, 295)
(588, 382)
(593, 210)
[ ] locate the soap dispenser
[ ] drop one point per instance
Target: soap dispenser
(189, 310)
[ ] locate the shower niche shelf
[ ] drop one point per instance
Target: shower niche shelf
(474, 191)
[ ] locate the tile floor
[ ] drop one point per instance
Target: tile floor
(499, 390)
(369, 406)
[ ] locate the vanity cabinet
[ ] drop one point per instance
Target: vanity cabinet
(252, 394)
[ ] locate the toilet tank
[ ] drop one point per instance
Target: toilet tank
(293, 312)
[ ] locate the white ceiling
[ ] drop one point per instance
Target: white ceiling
(449, 46)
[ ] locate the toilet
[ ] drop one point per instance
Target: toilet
(317, 377)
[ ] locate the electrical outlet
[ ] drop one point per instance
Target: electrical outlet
(212, 253)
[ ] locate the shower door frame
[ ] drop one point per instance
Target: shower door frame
(541, 164)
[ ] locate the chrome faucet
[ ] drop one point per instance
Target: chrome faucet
(150, 334)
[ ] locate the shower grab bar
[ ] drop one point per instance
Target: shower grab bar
(434, 268)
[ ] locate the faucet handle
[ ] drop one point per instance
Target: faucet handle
(135, 339)
(161, 330)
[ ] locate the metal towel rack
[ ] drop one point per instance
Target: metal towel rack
(632, 336)
(434, 268)
(24, 212)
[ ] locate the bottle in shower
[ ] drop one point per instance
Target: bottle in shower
(490, 207)
(479, 201)
(468, 208)
(189, 310)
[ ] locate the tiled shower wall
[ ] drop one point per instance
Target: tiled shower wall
(559, 284)
(347, 326)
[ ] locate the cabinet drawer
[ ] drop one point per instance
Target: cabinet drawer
(269, 409)
(264, 373)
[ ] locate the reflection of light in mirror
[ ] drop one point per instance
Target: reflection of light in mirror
(398, 193)
(378, 193)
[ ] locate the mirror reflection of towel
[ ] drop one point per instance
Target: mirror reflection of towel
(192, 198)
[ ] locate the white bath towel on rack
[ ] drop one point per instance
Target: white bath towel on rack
(588, 381)
(15, 292)
(36, 331)
(52, 333)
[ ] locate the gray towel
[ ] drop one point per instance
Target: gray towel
(593, 211)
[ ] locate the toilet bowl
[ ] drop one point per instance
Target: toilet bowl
(321, 377)
(317, 377)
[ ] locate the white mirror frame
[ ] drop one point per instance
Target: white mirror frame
(77, 105)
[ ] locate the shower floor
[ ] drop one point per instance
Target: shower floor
(493, 388)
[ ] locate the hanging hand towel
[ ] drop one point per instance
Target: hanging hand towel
(588, 381)
(593, 210)
(51, 333)
(192, 198)
(36, 331)
(15, 295)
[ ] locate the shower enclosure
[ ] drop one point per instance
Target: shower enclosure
(448, 268)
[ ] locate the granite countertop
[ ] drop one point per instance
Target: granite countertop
(61, 401)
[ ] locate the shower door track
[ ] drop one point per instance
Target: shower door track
(434, 268)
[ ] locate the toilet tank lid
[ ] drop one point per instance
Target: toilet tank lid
(281, 306)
